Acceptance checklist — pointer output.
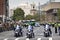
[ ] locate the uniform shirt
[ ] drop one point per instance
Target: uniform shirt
(17, 27)
(47, 27)
(59, 25)
(30, 27)
(56, 25)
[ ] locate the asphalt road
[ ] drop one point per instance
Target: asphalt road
(9, 35)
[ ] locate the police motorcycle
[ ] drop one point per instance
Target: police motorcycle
(18, 32)
(47, 32)
(30, 34)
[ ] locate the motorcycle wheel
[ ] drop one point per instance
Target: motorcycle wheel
(59, 32)
(21, 34)
(33, 35)
(45, 35)
(16, 35)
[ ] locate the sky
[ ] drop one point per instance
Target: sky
(15, 3)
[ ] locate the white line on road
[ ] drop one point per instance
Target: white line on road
(6, 39)
(39, 39)
(17, 38)
(36, 30)
(50, 38)
(27, 39)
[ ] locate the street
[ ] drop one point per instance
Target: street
(9, 35)
(17, 18)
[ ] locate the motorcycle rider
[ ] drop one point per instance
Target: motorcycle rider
(30, 28)
(18, 27)
(48, 27)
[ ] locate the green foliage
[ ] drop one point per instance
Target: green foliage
(18, 14)
(28, 17)
(58, 14)
(35, 16)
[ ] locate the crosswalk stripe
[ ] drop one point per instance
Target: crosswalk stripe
(50, 38)
(27, 39)
(39, 39)
(17, 38)
(6, 39)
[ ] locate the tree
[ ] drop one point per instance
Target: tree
(18, 14)
(36, 17)
(58, 14)
(28, 17)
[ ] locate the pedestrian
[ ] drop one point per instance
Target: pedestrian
(52, 24)
(59, 28)
(1, 27)
(14, 26)
(56, 27)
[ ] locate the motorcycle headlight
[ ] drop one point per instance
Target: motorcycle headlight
(29, 30)
(46, 29)
(16, 32)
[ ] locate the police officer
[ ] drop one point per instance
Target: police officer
(59, 28)
(30, 28)
(56, 27)
(49, 28)
(52, 24)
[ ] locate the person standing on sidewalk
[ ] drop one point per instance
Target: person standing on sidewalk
(59, 28)
(56, 25)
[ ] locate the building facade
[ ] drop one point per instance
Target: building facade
(33, 9)
(26, 7)
(50, 10)
(3, 10)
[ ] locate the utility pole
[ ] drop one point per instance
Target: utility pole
(39, 10)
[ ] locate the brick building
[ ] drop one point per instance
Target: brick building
(3, 9)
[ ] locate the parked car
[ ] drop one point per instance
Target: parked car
(37, 24)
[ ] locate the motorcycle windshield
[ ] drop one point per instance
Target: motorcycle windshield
(17, 30)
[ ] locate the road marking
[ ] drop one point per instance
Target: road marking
(27, 39)
(50, 38)
(39, 39)
(41, 34)
(17, 38)
(52, 35)
(36, 30)
(6, 39)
